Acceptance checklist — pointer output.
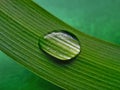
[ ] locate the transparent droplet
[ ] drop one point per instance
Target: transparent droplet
(60, 44)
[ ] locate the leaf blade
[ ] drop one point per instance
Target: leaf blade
(20, 35)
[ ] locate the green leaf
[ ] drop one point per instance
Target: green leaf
(22, 23)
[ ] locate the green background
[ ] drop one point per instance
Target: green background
(98, 18)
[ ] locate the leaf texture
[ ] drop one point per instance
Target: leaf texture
(22, 23)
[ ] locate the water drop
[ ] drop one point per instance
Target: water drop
(60, 44)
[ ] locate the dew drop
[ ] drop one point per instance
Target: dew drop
(60, 44)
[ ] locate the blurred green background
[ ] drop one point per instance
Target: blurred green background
(98, 18)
